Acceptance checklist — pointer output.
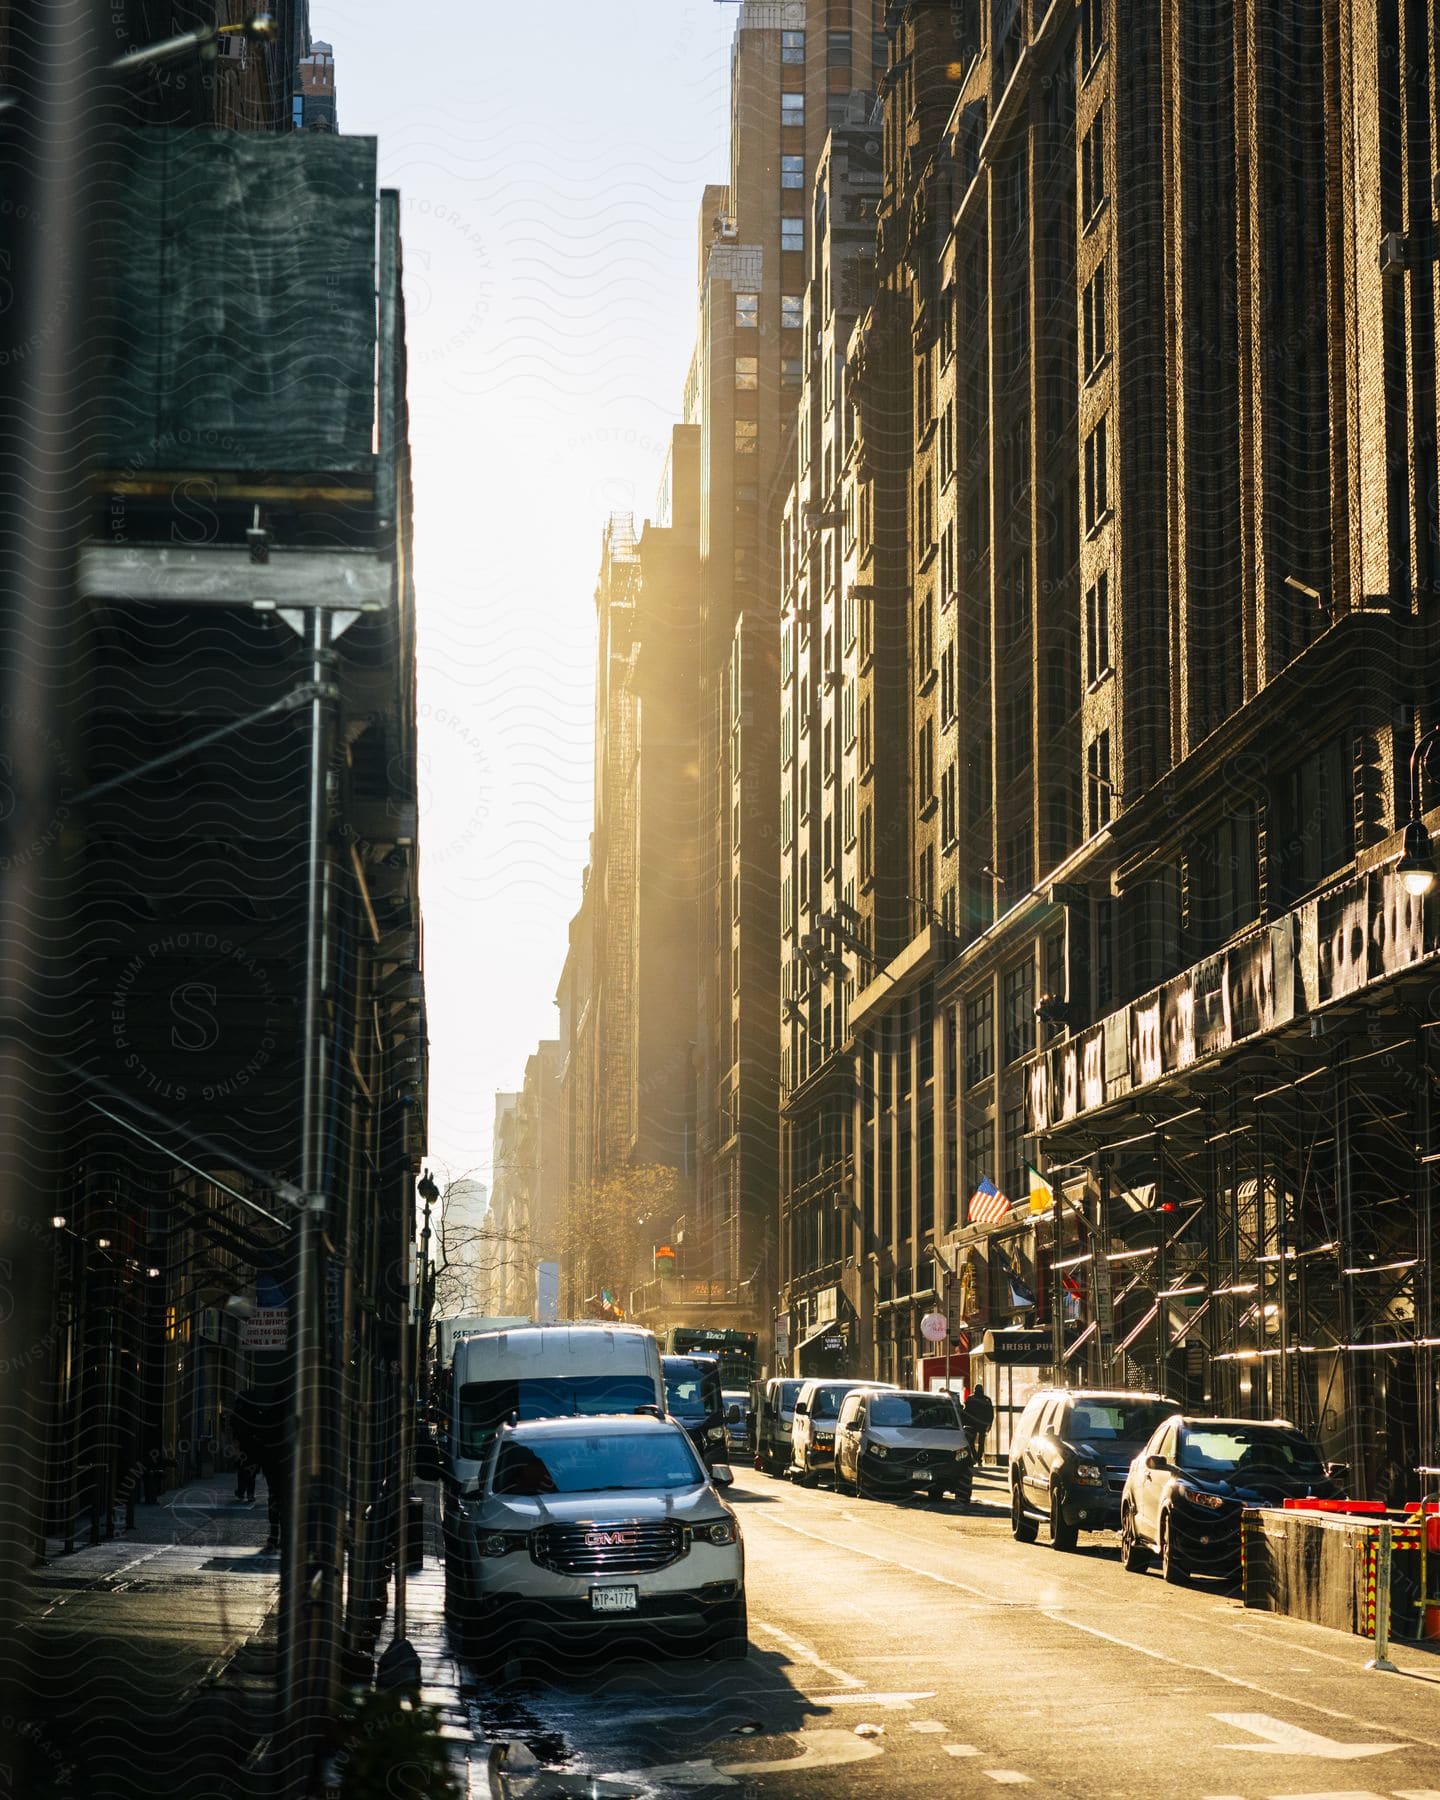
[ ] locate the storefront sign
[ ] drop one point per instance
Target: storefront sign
(266, 1329)
(1020, 1345)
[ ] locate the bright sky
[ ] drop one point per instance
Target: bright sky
(550, 159)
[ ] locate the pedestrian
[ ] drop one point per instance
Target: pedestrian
(259, 1425)
(246, 1468)
(979, 1416)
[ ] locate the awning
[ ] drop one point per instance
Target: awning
(830, 1339)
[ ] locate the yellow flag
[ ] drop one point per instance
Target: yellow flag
(1042, 1195)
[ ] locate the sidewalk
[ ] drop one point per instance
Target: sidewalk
(135, 1653)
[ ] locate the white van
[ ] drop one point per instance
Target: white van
(545, 1372)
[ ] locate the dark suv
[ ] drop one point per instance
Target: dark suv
(693, 1396)
(1070, 1455)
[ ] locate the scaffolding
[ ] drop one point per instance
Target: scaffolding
(1268, 1223)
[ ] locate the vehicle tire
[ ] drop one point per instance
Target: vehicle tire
(842, 1486)
(802, 1477)
(1062, 1536)
(1022, 1527)
(730, 1637)
(1172, 1569)
(1134, 1556)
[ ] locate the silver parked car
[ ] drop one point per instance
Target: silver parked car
(772, 1414)
(607, 1527)
(899, 1443)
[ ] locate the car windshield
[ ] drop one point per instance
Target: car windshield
(1132, 1420)
(582, 1464)
(487, 1405)
(690, 1392)
(786, 1395)
(826, 1404)
(1230, 1449)
(924, 1412)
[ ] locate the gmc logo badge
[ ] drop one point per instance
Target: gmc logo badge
(605, 1540)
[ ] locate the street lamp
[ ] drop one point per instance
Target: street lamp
(1416, 867)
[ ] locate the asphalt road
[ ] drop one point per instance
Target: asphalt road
(918, 1651)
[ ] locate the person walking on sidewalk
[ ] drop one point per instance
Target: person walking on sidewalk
(259, 1425)
(979, 1416)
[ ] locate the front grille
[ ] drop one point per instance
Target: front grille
(1115, 1477)
(923, 1459)
(600, 1549)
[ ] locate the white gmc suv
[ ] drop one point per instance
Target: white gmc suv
(594, 1527)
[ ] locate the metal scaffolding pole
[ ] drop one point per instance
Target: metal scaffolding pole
(307, 1600)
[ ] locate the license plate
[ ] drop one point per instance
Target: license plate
(924, 1475)
(614, 1599)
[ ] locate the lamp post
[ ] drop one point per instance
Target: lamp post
(1416, 867)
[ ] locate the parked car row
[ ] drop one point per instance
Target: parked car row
(1172, 1484)
(870, 1438)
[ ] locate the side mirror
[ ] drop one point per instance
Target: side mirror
(801, 1409)
(1156, 1462)
(854, 1425)
(722, 1475)
(1336, 1471)
(429, 1463)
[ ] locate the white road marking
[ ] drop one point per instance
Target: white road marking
(1057, 1617)
(804, 1653)
(926, 1725)
(1289, 1740)
(890, 1702)
(1008, 1777)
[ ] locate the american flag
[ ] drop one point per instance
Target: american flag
(988, 1206)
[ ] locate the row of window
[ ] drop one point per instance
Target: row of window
(839, 48)
(792, 311)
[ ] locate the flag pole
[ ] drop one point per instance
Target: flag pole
(1057, 1296)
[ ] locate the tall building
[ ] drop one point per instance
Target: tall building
(826, 752)
(314, 100)
(1130, 406)
(797, 69)
(627, 992)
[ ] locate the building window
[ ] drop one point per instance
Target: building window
(1014, 1142)
(1092, 32)
(949, 810)
(879, 49)
(867, 855)
(837, 109)
(747, 309)
(1097, 475)
(925, 763)
(1092, 169)
(979, 1159)
(1097, 628)
(1019, 1011)
(837, 49)
(746, 433)
(791, 371)
(792, 46)
(792, 311)
(792, 109)
(1310, 828)
(792, 234)
(979, 1038)
(792, 171)
(948, 696)
(1222, 881)
(924, 639)
(747, 372)
(1094, 329)
(1100, 789)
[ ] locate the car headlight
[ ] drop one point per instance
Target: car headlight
(718, 1531)
(715, 1431)
(500, 1543)
(1091, 1473)
(1197, 1496)
(877, 1450)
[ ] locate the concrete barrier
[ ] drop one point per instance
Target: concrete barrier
(1323, 1566)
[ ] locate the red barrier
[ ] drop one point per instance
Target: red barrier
(1366, 1507)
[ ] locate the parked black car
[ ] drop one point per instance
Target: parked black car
(1070, 1456)
(693, 1396)
(1188, 1487)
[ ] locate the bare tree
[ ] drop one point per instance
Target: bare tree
(611, 1228)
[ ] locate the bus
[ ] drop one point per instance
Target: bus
(735, 1351)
